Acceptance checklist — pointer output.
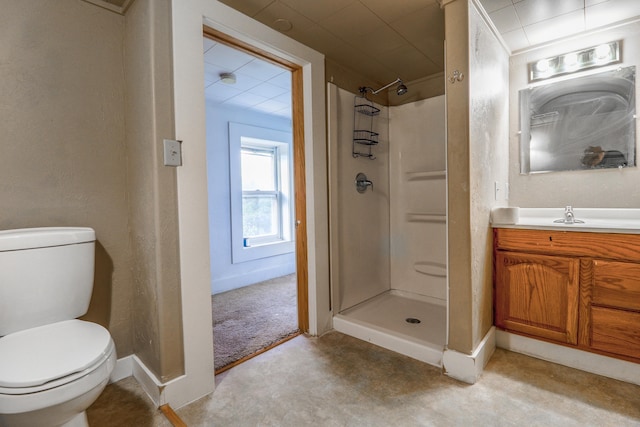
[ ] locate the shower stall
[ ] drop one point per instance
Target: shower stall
(388, 224)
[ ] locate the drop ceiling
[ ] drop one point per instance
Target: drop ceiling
(383, 39)
(259, 85)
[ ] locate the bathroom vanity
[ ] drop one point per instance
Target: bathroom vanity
(573, 284)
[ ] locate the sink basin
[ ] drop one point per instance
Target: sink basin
(594, 219)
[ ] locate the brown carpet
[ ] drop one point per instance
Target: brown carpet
(248, 319)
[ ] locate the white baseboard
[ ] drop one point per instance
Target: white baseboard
(159, 393)
(571, 357)
(123, 369)
(469, 367)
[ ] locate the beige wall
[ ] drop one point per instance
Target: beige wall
(157, 324)
(609, 188)
(63, 159)
(476, 158)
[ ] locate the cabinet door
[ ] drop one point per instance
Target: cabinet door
(538, 295)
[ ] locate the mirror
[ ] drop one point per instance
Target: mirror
(584, 123)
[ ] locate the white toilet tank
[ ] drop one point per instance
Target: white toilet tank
(46, 276)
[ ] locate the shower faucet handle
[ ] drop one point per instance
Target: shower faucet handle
(362, 183)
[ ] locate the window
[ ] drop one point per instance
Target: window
(261, 192)
(261, 199)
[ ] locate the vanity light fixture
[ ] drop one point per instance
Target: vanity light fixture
(579, 60)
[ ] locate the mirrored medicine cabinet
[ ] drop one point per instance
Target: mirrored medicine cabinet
(582, 123)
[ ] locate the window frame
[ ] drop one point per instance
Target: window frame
(281, 141)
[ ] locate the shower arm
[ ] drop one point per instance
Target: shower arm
(364, 89)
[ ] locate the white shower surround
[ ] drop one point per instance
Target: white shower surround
(389, 245)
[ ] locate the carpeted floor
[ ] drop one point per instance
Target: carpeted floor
(248, 319)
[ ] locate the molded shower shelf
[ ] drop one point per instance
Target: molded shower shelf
(421, 217)
(434, 269)
(423, 176)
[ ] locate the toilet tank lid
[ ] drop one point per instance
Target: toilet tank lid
(42, 237)
(46, 353)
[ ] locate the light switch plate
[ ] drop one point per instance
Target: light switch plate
(172, 153)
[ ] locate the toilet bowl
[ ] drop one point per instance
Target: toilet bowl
(53, 366)
(50, 374)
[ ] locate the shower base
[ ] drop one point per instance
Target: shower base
(389, 320)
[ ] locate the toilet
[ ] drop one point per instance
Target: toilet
(52, 365)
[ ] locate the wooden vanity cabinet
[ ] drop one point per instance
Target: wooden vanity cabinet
(574, 288)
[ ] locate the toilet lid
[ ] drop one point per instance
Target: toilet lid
(38, 355)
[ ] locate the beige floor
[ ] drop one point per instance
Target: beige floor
(337, 380)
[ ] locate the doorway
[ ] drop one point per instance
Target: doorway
(256, 193)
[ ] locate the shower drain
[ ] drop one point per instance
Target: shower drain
(412, 320)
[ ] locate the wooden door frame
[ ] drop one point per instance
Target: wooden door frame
(299, 180)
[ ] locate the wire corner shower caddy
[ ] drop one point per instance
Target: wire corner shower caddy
(364, 137)
(365, 111)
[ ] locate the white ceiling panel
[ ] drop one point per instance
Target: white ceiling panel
(608, 12)
(259, 86)
(260, 69)
(493, 5)
(532, 11)
(505, 19)
(560, 26)
(225, 56)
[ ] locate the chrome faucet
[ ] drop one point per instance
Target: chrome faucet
(569, 217)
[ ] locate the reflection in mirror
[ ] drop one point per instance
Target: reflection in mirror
(582, 123)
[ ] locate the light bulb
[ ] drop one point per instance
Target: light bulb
(570, 60)
(542, 65)
(602, 52)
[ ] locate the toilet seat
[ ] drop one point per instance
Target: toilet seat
(52, 355)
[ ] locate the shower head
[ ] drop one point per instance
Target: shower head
(402, 89)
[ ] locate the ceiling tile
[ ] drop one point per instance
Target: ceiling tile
(424, 30)
(352, 21)
(532, 11)
(228, 57)
(611, 11)
(505, 19)
(588, 3)
(277, 11)
(317, 10)
(555, 28)
(282, 80)
(245, 99)
(284, 99)
(268, 90)
(516, 39)
(244, 82)
(207, 44)
(269, 106)
(390, 11)
(260, 69)
(248, 7)
(409, 64)
(493, 5)
(220, 92)
(379, 39)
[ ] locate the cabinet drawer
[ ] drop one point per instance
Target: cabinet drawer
(624, 247)
(615, 331)
(616, 284)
